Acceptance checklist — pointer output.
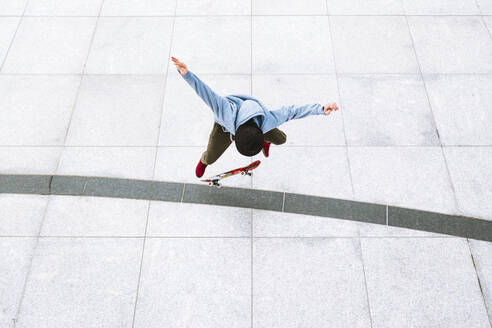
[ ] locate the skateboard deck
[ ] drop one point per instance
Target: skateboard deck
(214, 180)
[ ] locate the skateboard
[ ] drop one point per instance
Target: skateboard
(214, 180)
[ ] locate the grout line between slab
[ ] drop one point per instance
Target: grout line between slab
(332, 43)
(251, 240)
(16, 318)
(280, 146)
(36, 243)
(232, 237)
(182, 194)
(14, 35)
(252, 177)
(163, 98)
(386, 215)
(251, 70)
(487, 28)
(247, 15)
(79, 87)
(141, 265)
(283, 201)
(478, 281)
(484, 23)
(450, 179)
(244, 74)
(434, 121)
(365, 281)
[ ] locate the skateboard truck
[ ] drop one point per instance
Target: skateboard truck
(215, 183)
(246, 172)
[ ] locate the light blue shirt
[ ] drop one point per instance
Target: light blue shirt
(233, 110)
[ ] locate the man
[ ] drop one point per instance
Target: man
(245, 120)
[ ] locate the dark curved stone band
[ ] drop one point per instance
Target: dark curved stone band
(461, 226)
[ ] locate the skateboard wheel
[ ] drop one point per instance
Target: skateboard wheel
(243, 173)
(250, 174)
(210, 184)
(219, 185)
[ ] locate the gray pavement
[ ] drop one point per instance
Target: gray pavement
(91, 261)
(87, 89)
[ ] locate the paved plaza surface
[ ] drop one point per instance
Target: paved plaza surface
(87, 88)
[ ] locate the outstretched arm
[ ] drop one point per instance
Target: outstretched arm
(216, 102)
(287, 113)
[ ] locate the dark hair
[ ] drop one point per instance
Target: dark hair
(249, 138)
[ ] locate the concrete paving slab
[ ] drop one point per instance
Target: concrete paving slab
(464, 40)
(14, 264)
(371, 230)
(365, 7)
(212, 7)
(12, 7)
(178, 164)
(205, 261)
(21, 215)
(238, 197)
(442, 223)
(277, 224)
(441, 7)
(308, 282)
(422, 282)
(198, 46)
(331, 178)
(36, 109)
(472, 179)
(195, 282)
(25, 184)
(472, 94)
(488, 20)
(386, 110)
(278, 90)
(194, 220)
(63, 8)
(186, 118)
(485, 7)
(378, 44)
(329, 207)
(95, 216)
(117, 111)
(8, 25)
(29, 160)
(138, 8)
(413, 177)
(116, 162)
(50, 45)
(275, 38)
(482, 257)
(289, 7)
(68, 185)
(82, 283)
(134, 189)
(130, 45)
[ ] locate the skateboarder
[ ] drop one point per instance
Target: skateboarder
(245, 120)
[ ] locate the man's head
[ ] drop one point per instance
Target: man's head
(249, 138)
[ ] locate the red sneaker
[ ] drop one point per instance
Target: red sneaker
(266, 149)
(200, 169)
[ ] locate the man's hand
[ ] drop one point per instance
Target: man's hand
(181, 67)
(330, 107)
